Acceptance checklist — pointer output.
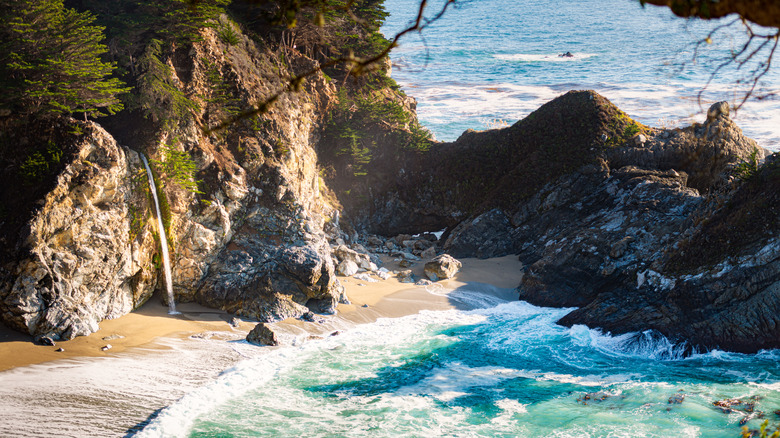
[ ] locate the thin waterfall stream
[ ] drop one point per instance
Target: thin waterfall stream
(163, 240)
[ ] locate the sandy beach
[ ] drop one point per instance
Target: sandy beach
(151, 322)
(87, 392)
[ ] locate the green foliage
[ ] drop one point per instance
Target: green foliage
(156, 94)
(631, 130)
(227, 34)
(40, 164)
(355, 121)
(222, 95)
(762, 431)
(419, 138)
(50, 61)
(177, 167)
(181, 19)
(747, 168)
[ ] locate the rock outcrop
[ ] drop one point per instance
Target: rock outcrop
(83, 259)
(640, 228)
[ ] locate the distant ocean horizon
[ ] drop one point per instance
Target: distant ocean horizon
(490, 63)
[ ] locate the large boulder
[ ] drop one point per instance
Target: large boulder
(262, 334)
(442, 267)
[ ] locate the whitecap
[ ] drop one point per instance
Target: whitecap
(523, 57)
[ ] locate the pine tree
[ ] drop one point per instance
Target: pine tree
(50, 61)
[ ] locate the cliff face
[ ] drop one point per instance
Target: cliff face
(80, 262)
(253, 239)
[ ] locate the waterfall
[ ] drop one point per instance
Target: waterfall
(163, 240)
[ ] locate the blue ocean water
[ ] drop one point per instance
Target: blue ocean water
(490, 62)
(503, 371)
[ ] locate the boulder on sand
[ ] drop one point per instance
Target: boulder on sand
(442, 267)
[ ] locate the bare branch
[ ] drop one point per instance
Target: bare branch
(357, 65)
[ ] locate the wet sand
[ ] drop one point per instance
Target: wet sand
(369, 301)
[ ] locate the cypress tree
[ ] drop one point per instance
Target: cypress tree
(50, 61)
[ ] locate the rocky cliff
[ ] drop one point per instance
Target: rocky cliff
(250, 232)
(641, 228)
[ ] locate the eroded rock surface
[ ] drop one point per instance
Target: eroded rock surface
(83, 260)
(442, 267)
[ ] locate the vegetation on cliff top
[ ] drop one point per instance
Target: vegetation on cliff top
(50, 61)
(747, 218)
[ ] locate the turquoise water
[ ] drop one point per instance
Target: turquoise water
(508, 370)
(489, 62)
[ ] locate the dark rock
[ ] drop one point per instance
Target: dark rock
(106, 347)
(60, 350)
(44, 340)
(593, 397)
(235, 322)
(487, 235)
(262, 334)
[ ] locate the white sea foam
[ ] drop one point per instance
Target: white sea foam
(648, 344)
(456, 380)
(523, 57)
(672, 105)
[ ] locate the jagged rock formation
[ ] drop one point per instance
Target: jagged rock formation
(80, 262)
(629, 223)
(254, 242)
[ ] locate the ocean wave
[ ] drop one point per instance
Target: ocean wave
(648, 344)
(450, 107)
(557, 57)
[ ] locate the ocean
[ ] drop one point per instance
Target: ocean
(505, 370)
(489, 63)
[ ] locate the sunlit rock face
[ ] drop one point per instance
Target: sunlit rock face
(82, 262)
